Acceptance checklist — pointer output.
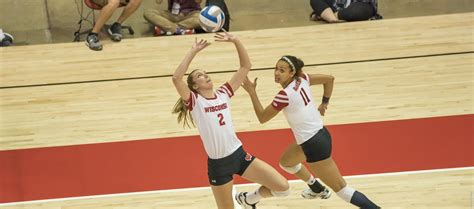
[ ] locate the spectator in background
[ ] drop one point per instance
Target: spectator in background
(115, 31)
(181, 17)
(333, 11)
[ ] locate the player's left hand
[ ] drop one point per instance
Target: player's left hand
(248, 85)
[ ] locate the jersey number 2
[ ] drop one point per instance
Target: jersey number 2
(305, 97)
(221, 119)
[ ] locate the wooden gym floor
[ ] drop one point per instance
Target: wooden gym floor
(396, 74)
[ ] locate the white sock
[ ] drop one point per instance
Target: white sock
(311, 180)
(346, 193)
(254, 197)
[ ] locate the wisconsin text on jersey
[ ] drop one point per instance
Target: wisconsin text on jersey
(216, 108)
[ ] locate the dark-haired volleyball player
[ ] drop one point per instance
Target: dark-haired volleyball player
(313, 141)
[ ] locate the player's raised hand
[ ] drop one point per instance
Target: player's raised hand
(200, 45)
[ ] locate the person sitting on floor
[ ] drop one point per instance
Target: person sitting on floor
(181, 17)
(333, 11)
(115, 31)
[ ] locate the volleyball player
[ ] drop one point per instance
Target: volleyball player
(313, 140)
(209, 109)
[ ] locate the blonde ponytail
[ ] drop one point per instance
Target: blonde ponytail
(184, 115)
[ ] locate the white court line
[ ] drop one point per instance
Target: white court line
(239, 185)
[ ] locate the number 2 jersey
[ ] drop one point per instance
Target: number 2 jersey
(299, 108)
(214, 121)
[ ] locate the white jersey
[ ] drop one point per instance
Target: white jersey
(299, 108)
(214, 121)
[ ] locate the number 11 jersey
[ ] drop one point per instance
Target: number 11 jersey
(299, 108)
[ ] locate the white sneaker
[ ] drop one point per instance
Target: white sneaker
(241, 198)
(309, 194)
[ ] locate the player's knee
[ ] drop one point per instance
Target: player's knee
(283, 193)
(291, 169)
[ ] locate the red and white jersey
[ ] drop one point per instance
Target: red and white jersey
(214, 121)
(298, 105)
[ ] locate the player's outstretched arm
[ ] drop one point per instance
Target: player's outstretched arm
(244, 59)
(263, 115)
(178, 75)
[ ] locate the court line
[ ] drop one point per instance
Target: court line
(238, 185)
(228, 71)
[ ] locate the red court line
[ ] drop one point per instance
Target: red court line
(180, 162)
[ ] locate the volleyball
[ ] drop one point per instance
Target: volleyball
(211, 18)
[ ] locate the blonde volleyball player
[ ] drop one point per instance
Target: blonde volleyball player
(313, 141)
(209, 109)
